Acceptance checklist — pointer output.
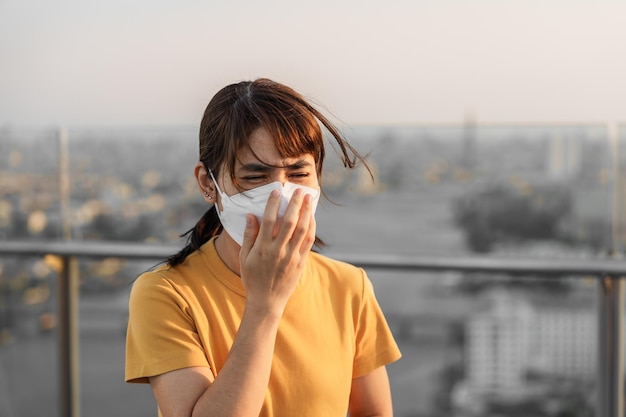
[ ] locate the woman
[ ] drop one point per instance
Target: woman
(247, 320)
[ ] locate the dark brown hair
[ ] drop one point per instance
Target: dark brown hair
(230, 118)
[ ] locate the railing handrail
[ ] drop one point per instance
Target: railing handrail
(554, 267)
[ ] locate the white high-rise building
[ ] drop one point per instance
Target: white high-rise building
(510, 340)
(565, 343)
(498, 345)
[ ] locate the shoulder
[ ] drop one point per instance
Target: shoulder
(159, 294)
(339, 272)
(153, 278)
(160, 283)
(324, 262)
(166, 276)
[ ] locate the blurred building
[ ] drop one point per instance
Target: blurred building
(565, 343)
(564, 157)
(498, 347)
(513, 343)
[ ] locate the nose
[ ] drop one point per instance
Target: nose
(280, 175)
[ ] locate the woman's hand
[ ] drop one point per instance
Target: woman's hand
(272, 257)
(273, 254)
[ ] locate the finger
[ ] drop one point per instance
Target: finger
(291, 218)
(270, 215)
(309, 240)
(304, 220)
(249, 235)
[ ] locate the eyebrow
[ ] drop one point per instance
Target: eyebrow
(261, 167)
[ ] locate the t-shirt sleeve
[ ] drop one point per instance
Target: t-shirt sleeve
(375, 345)
(161, 334)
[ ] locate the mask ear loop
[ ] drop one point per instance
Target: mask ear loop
(224, 196)
(215, 182)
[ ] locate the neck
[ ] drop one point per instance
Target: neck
(228, 251)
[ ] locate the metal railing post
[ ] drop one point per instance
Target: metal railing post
(68, 338)
(610, 348)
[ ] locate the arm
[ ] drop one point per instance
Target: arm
(371, 395)
(272, 258)
(240, 386)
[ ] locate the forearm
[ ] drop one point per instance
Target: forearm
(240, 386)
(271, 260)
(371, 395)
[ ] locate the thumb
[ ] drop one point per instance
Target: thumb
(249, 234)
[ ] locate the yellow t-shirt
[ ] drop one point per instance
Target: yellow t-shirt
(332, 330)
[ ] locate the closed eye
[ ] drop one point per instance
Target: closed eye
(254, 179)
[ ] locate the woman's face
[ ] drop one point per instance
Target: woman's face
(262, 164)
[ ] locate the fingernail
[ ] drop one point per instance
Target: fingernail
(275, 193)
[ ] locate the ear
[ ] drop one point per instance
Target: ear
(205, 183)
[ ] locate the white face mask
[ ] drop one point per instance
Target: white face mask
(235, 207)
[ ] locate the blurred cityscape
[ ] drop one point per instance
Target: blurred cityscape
(473, 344)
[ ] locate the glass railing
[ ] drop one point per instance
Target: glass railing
(479, 335)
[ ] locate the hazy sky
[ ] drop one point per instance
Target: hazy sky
(127, 62)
